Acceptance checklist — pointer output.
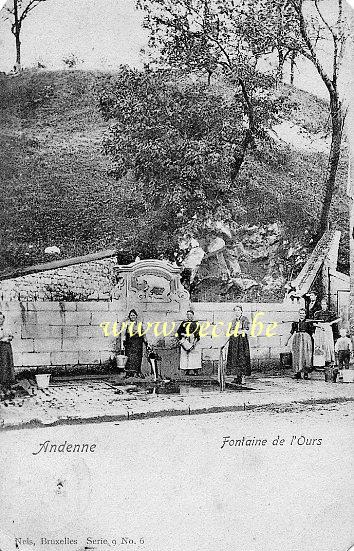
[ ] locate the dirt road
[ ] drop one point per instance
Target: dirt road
(170, 484)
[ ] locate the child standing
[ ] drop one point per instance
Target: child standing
(343, 349)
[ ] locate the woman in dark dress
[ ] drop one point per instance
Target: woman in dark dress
(7, 371)
(238, 361)
(312, 306)
(133, 346)
(301, 345)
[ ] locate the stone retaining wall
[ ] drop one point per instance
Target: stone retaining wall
(88, 280)
(68, 333)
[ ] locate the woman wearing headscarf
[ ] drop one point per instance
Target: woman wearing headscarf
(301, 345)
(134, 345)
(7, 371)
(238, 361)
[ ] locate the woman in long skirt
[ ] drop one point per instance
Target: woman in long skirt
(301, 345)
(7, 371)
(134, 345)
(324, 321)
(190, 354)
(238, 361)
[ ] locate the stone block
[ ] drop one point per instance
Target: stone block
(35, 358)
(35, 331)
(39, 306)
(55, 332)
(204, 315)
(30, 317)
(70, 344)
(68, 331)
(89, 331)
(47, 345)
(64, 358)
(102, 317)
(283, 329)
(159, 307)
(92, 306)
(23, 345)
(86, 343)
(269, 342)
(89, 357)
(17, 359)
(47, 317)
(10, 307)
(68, 306)
(76, 318)
(105, 355)
(212, 306)
(117, 306)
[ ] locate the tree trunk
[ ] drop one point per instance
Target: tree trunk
(280, 68)
(239, 156)
(292, 67)
(18, 52)
(333, 161)
(16, 32)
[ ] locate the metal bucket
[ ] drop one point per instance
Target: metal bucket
(42, 380)
(348, 375)
(121, 361)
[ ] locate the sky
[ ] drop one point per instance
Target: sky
(102, 33)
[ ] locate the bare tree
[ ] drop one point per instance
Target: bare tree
(314, 29)
(17, 14)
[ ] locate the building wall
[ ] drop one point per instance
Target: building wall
(90, 280)
(351, 309)
(339, 292)
(49, 334)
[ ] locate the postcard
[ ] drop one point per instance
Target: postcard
(176, 275)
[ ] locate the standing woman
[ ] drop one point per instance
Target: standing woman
(312, 306)
(324, 321)
(7, 371)
(301, 345)
(133, 345)
(238, 361)
(188, 337)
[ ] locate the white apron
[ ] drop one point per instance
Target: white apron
(323, 345)
(190, 359)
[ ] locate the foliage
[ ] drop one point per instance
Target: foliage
(178, 142)
(203, 35)
(71, 61)
(241, 37)
(55, 190)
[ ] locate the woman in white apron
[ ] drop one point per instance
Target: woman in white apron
(324, 320)
(188, 336)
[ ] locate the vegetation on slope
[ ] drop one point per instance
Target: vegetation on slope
(56, 189)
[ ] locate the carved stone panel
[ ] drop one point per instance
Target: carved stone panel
(150, 281)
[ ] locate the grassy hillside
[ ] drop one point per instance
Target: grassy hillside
(54, 182)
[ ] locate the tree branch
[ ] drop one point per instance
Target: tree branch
(312, 53)
(324, 20)
(30, 6)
